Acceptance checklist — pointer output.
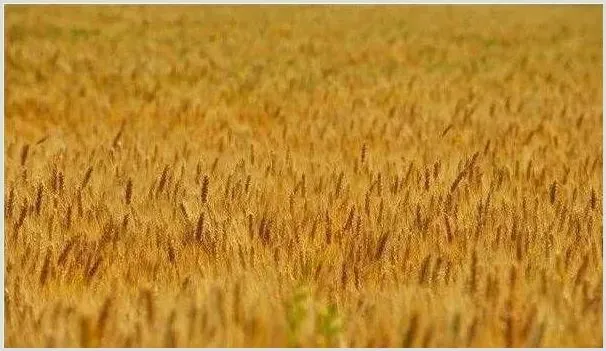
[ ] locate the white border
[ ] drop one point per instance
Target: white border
(344, 2)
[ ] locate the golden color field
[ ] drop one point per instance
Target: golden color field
(303, 176)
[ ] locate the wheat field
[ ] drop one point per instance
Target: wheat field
(360, 176)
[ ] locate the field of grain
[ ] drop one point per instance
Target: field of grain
(303, 176)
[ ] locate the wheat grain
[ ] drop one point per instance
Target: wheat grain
(128, 192)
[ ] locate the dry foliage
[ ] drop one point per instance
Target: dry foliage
(303, 176)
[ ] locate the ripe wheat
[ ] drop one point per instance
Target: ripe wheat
(303, 176)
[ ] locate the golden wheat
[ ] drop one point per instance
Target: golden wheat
(303, 176)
